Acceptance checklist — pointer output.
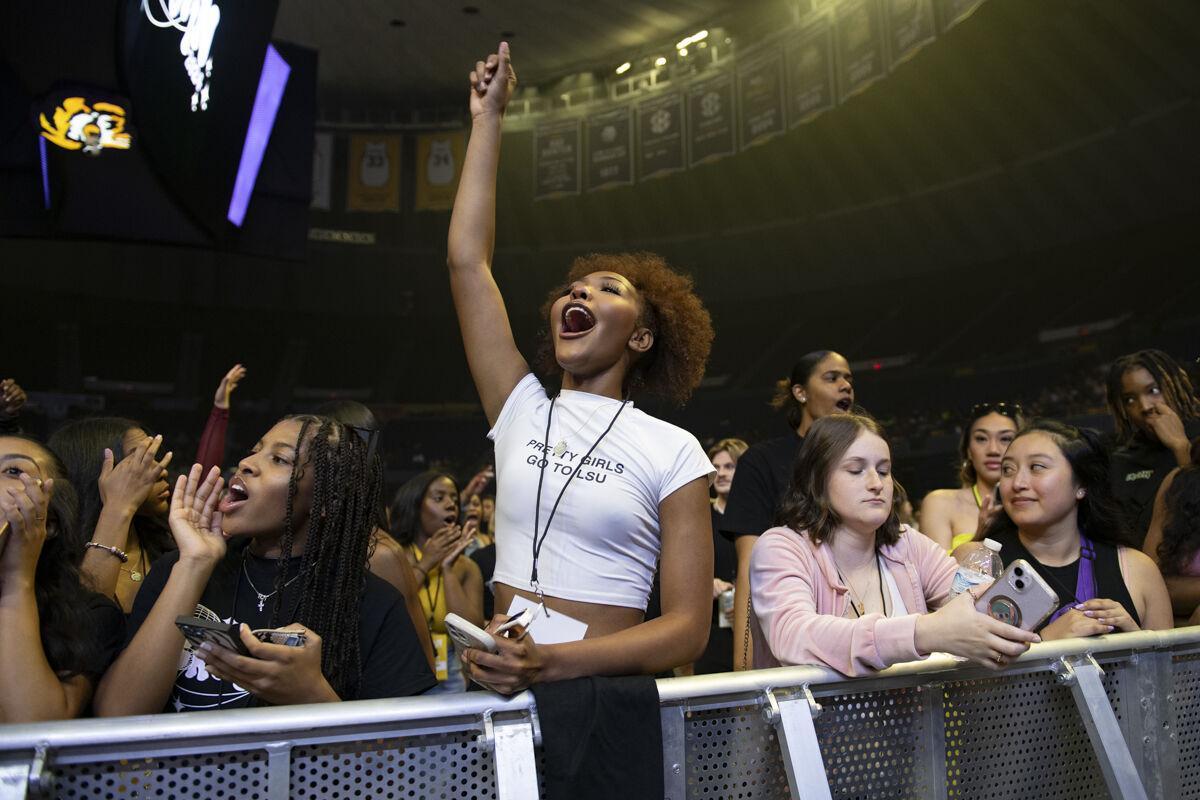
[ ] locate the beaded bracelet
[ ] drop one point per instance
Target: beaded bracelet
(116, 551)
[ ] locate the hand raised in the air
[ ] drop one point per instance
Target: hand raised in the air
(492, 83)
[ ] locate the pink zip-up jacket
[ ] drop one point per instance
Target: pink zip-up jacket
(799, 603)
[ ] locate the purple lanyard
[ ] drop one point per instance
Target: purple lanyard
(1085, 584)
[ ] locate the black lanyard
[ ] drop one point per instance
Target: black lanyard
(538, 541)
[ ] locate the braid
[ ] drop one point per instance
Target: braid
(1172, 380)
(345, 498)
(289, 529)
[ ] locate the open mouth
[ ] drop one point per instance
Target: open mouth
(844, 404)
(450, 519)
(235, 495)
(577, 319)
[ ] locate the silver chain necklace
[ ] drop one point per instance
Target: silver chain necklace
(263, 598)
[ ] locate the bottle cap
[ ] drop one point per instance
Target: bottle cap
(992, 544)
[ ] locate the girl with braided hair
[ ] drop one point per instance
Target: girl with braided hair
(1156, 413)
(286, 546)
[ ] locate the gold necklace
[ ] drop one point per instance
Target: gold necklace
(136, 575)
(859, 605)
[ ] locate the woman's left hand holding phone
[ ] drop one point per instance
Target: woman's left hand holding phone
(277, 673)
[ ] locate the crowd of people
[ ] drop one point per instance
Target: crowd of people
(797, 549)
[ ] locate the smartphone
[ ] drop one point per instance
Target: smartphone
(1019, 597)
(283, 637)
(468, 634)
(198, 631)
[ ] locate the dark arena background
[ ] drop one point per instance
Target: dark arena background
(974, 201)
(994, 218)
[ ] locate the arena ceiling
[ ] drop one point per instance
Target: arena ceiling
(366, 57)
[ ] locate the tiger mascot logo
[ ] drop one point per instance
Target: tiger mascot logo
(78, 126)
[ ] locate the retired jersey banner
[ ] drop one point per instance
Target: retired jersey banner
(660, 136)
(711, 132)
(811, 86)
(955, 11)
(860, 46)
(439, 164)
(760, 99)
(322, 173)
(910, 27)
(556, 159)
(610, 149)
(373, 173)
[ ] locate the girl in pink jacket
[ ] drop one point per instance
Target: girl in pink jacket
(844, 584)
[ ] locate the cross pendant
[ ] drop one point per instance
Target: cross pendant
(262, 599)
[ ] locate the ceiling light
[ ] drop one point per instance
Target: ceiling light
(621, 70)
(661, 61)
(695, 37)
(683, 52)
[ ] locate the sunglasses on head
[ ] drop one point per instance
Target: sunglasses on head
(1010, 410)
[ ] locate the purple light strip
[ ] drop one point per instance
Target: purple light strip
(45, 173)
(271, 83)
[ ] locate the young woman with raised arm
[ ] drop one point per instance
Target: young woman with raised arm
(592, 491)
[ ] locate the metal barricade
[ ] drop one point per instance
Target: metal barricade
(1116, 716)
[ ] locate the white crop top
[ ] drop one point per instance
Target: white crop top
(604, 542)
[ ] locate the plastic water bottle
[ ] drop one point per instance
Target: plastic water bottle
(981, 565)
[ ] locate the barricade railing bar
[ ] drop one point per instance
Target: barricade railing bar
(1115, 716)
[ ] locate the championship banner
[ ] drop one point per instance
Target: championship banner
(860, 46)
(373, 173)
(811, 86)
(322, 173)
(955, 11)
(760, 99)
(439, 165)
(610, 149)
(660, 135)
(911, 26)
(711, 133)
(556, 159)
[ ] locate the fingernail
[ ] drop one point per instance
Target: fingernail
(1089, 613)
(1111, 628)
(1079, 607)
(206, 648)
(1037, 640)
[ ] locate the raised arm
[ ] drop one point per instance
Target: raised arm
(140, 680)
(496, 364)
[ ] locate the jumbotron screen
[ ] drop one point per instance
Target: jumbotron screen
(155, 120)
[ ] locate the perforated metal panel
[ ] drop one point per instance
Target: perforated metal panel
(437, 767)
(873, 744)
(1019, 736)
(732, 754)
(240, 774)
(1185, 693)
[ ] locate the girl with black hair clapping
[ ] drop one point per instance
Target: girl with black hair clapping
(121, 525)
(56, 637)
(286, 546)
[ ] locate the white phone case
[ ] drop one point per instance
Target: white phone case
(468, 634)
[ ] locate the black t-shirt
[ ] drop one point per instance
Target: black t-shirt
(103, 629)
(485, 559)
(393, 663)
(1136, 471)
(763, 475)
(1063, 580)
